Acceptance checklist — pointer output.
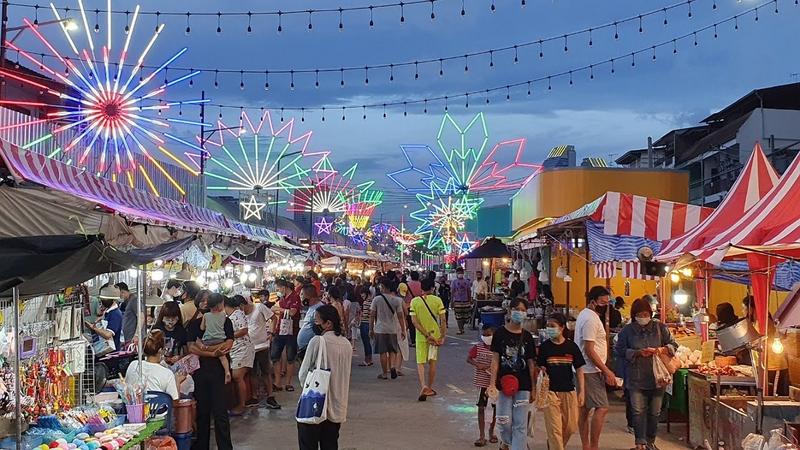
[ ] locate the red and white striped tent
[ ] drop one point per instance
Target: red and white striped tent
(756, 179)
(638, 216)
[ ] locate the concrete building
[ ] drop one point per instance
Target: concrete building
(713, 153)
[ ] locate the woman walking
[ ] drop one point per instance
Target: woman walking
(365, 294)
(638, 343)
(242, 354)
(558, 356)
(513, 374)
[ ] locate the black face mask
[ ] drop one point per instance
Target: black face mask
(304, 302)
(317, 329)
(106, 302)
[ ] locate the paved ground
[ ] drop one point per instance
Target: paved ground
(386, 414)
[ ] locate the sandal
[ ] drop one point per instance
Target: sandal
(422, 397)
(365, 364)
(275, 387)
(480, 442)
(493, 439)
(289, 388)
(382, 376)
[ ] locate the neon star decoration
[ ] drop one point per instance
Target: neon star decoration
(324, 226)
(443, 214)
(105, 114)
(464, 162)
(362, 205)
(252, 208)
(257, 155)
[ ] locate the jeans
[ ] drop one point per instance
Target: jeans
(646, 410)
(209, 392)
(323, 436)
(512, 419)
(366, 340)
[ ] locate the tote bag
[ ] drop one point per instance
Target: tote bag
(312, 406)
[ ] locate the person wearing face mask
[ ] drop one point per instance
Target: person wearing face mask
(169, 321)
(592, 339)
(638, 343)
(558, 356)
(287, 310)
(326, 325)
(461, 296)
(513, 377)
(312, 301)
(427, 314)
(110, 326)
(516, 286)
(156, 377)
(480, 356)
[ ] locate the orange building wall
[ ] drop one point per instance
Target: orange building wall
(555, 192)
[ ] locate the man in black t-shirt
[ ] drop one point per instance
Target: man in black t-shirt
(209, 381)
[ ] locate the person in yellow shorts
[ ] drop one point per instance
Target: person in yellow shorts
(428, 315)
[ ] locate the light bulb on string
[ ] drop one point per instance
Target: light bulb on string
(249, 22)
(219, 22)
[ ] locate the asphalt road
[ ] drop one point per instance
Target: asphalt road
(386, 414)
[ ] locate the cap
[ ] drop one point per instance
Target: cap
(109, 292)
(509, 385)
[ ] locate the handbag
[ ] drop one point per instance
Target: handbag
(312, 406)
(671, 363)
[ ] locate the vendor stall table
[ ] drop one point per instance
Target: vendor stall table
(148, 432)
(701, 390)
(497, 300)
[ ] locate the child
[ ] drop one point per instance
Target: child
(213, 326)
(480, 356)
(558, 356)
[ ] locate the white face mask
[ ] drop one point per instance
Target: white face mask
(571, 325)
(487, 340)
(643, 320)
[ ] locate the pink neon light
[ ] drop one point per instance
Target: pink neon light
(24, 80)
(34, 29)
(491, 175)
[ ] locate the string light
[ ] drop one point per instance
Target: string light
(416, 63)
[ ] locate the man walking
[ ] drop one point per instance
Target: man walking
(461, 295)
(590, 335)
(428, 315)
(259, 327)
(288, 311)
(134, 314)
(386, 315)
(310, 299)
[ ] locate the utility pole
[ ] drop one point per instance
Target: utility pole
(3, 36)
(649, 152)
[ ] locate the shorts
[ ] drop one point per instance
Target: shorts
(483, 399)
(280, 342)
(422, 352)
(386, 343)
(262, 364)
(595, 395)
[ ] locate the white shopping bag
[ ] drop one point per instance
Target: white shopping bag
(312, 406)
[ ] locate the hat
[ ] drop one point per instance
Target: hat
(109, 292)
(509, 385)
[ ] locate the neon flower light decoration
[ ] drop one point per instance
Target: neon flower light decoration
(257, 155)
(463, 163)
(362, 205)
(443, 214)
(105, 114)
(329, 190)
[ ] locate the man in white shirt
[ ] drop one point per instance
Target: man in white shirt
(259, 327)
(479, 287)
(591, 337)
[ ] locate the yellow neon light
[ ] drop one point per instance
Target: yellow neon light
(177, 160)
(130, 179)
(149, 181)
(169, 177)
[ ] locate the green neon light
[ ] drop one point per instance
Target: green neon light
(36, 141)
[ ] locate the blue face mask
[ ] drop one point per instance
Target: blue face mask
(518, 316)
(553, 332)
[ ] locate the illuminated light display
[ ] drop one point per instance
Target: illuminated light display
(324, 226)
(443, 214)
(465, 244)
(362, 205)
(107, 115)
(258, 156)
(252, 208)
(329, 191)
(463, 162)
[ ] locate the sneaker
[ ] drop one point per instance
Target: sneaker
(252, 402)
(272, 404)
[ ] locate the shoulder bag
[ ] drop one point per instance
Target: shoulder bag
(387, 303)
(312, 406)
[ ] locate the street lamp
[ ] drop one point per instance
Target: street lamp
(204, 136)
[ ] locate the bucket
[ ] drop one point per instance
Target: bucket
(135, 413)
(183, 411)
(495, 319)
(183, 440)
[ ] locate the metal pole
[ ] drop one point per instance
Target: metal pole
(17, 372)
(142, 317)
(3, 36)
(203, 150)
(649, 152)
(277, 195)
(311, 218)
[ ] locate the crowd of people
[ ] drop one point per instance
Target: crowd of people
(253, 349)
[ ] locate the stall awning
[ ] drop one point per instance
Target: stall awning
(133, 204)
(635, 215)
(756, 180)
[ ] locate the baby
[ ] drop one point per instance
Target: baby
(213, 326)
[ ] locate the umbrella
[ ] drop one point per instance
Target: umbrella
(491, 248)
